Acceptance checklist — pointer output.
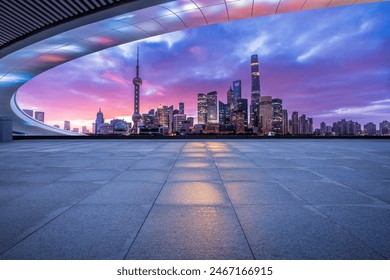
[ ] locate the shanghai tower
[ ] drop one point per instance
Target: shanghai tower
(255, 93)
(137, 81)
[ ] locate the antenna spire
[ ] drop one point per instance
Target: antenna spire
(137, 61)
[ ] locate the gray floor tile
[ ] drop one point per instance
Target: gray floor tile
(156, 163)
(126, 192)
(193, 193)
(289, 174)
(84, 232)
(371, 224)
(194, 163)
(296, 232)
(19, 221)
(233, 162)
(205, 174)
(345, 174)
(316, 192)
(91, 175)
(190, 233)
(33, 175)
(380, 189)
(260, 193)
(143, 175)
(250, 174)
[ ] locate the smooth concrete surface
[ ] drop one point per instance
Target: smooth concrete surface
(189, 199)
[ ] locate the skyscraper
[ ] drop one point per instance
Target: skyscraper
(285, 122)
(238, 121)
(236, 93)
(242, 107)
(170, 119)
(162, 115)
(294, 125)
(310, 127)
(202, 108)
(181, 108)
(224, 113)
(302, 124)
(178, 121)
(266, 114)
(277, 115)
(99, 120)
(212, 115)
(40, 116)
(137, 81)
(323, 129)
(255, 92)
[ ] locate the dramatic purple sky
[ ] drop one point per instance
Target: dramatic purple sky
(328, 64)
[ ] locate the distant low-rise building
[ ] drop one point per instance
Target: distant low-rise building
(370, 129)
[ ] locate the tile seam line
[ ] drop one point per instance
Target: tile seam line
(334, 222)
(154, 203)
(330, 219)
(346, 229)
(49, 222)
(231, 204)
(322, 213)
(345, 186)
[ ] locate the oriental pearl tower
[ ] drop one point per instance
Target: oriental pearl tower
(137, 81)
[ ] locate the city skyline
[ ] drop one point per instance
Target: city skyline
(294, 66)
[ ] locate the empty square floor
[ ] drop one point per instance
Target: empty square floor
(195, 199)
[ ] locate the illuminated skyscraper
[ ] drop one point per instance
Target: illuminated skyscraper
(224, 113)
(162, 115)
(243, 108)
(266, 114)
(99, 120)
(178, 121)
(230, 99)
(238, 121)
(255, 92)
(202, 108)
(137, 81)
(170, 111)
(236, 93)
(212, 114)
(277, 115)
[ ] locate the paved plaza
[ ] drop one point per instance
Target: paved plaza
(189, 199)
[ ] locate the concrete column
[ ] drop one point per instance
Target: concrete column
(5, 129)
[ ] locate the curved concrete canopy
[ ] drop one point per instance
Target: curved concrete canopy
(135, 21)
